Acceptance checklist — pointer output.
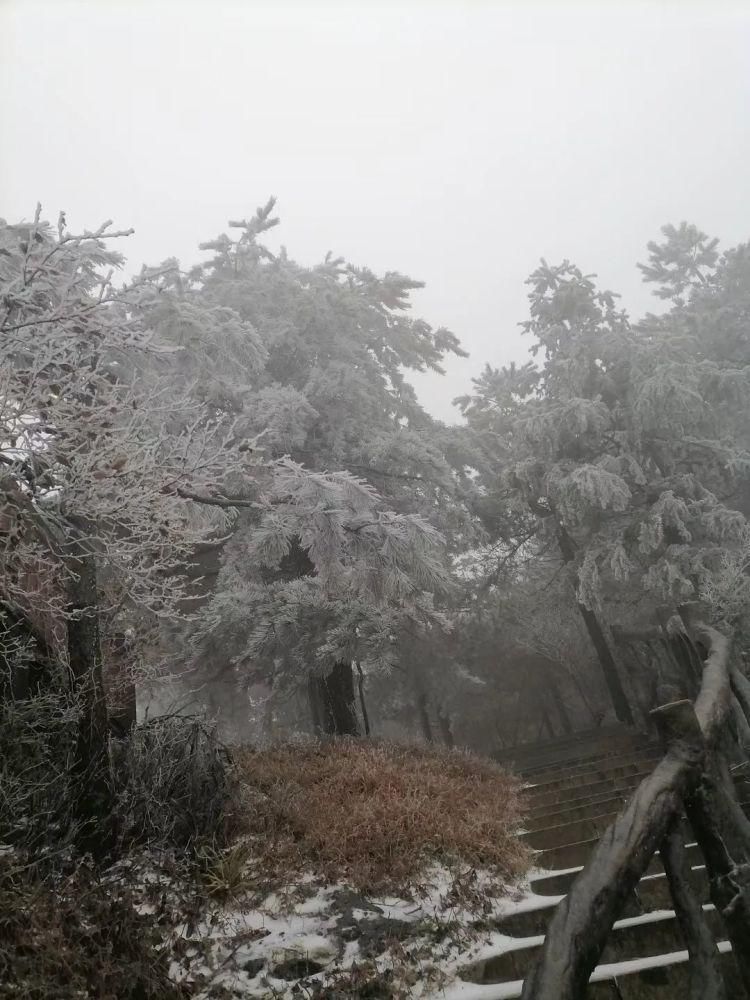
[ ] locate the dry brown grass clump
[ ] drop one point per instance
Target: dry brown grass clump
(375, 814)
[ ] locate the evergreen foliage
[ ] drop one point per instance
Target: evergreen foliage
(617, 438)
(304, 585)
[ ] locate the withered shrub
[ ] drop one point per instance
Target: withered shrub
(172, 783)
(74, 936)
(376, 815)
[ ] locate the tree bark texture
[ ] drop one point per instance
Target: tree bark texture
(315, 701)
(741, 689)
(87, 684)
(596, 634)
(424, 717)
(446, 730)
(333, 702)
(706, 982)
(362, 700)
(27, 664)
(545, 724)
(558, 701)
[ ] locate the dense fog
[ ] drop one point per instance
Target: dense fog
(374, 419)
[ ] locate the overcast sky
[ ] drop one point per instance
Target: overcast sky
(457, 143)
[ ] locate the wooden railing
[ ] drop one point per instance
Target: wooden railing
(702, 738)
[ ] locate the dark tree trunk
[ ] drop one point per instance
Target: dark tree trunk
(599, 640)
(608, 665)
(547, 724)
(27, 663)
(87, 683)
(121, 688)
(315, 700)
(362, 702)
(424, 717)
(557, 700)
(336, 701)
(595, 715)
(522, 712)
(446, 730)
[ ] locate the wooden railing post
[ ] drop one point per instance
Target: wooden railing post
(728, 882)
(583, 920)
(706, 982)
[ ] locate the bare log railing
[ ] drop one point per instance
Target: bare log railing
(693, 779)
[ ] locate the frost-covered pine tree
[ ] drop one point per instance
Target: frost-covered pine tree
(99, 449)
(332, 395)
(326, 577)
(619, 442)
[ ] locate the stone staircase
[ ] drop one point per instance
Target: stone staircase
(575, 789)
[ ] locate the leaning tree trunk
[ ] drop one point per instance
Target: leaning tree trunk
(620, 702)
(91, 765)
(556, 699)
(333, 702)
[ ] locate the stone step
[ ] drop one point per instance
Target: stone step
(638, 765)
(573, 795)
(578, 764)
(651, 934)
(602, 790)
(600, 804)
(572, 855)
(652, 893)
(658, 977)
(577, 801)
(662, 977)
(590, 757)
(558, 883)
(558, 798)
(549, 837)
(544, 838)
(535, 754)
(566, 855)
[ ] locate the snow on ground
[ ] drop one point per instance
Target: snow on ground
(313, 940)
(309, 939)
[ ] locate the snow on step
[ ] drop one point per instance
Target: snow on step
(612, 970)
(554, 787)
(504, 943)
